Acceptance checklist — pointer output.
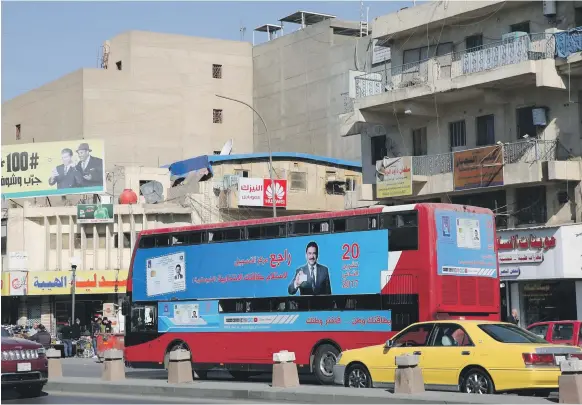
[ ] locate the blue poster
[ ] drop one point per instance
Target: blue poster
(204, 316)
(465, 244)
(334, 264)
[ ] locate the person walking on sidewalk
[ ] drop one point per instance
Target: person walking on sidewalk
(67, 335)
(95, 330)
(42, 336)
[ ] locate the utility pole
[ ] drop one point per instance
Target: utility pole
(73, 287)
(271, 174)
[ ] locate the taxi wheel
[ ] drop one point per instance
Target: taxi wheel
(477, 381)
(358, 377)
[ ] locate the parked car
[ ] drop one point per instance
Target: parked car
(24, 366)
(480, 357)
(559, 332)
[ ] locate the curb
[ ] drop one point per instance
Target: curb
(220, 390)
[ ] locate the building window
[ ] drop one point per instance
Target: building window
(530, 205)
(486, 130)
(298, 181)
(65, 241)
(351, 183)
(77, 241)
(17, 132)
(419, 142)
(53, 241)
(520, 27)
(578, 19)
(474, 43)
(118, 64)
(241, 173)
(126, 240)
(217, 116)
(217, 71)
(379, 150)
(457, 134)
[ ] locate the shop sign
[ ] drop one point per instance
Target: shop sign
(17, 261)
(18, 283)
(255, 192)
(94, 213)
(86, 282)
(5, 283)
(477, 168)
(511, 272)
(394, 177)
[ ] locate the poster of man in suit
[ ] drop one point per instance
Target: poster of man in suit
(311, 278)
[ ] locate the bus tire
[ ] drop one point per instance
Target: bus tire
(175, 346)
(323, 362)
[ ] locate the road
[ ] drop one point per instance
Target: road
(63, 398)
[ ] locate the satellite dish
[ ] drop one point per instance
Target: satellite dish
(153, 192)
(227, 148)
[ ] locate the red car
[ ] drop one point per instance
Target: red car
(559, 332)
(24, 366)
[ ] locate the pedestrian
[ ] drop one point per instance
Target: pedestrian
(42, 336)
(514, 317)
(107, 325)
(76, 330)
(95, 330)
(33, 331)
(67, 335)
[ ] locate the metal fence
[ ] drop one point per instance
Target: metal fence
(527, 151)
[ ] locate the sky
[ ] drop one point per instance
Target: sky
(42, 41)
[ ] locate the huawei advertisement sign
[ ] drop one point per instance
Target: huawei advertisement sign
(254, 192)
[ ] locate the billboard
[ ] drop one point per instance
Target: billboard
(205, 316)
(394, 177)
(476, 168)
(94, 213)
(465, 244)
(53, 168)
(335, 264)
(253, 192)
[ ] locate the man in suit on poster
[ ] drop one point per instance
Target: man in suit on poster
(312, 278)
(66, 175)
(90, 167)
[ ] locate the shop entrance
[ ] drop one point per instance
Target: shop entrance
(86, 307)
(548, 301)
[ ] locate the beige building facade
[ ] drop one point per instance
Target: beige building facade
(153, 100)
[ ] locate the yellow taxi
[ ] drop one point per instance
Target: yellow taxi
(480, 357)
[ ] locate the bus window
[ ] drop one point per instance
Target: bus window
(225, 235)
(146, 242)
(195, 238)
(319, 227)
(144, 318)
(266, 231)
(180, 238)
(403, 230)
(162, 240)
(299, 228)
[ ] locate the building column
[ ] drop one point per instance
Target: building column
(579, 299)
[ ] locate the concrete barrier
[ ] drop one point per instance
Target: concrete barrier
(285, 373)
(180, 367)
(570, 382)
(113, 366)
(55, 368)
(408, 378)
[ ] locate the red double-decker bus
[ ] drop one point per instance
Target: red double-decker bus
(235, 293)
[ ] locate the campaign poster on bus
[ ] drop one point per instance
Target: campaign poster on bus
(465, 244)
(334, 264)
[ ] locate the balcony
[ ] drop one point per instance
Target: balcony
(523, 163)
(488, 65)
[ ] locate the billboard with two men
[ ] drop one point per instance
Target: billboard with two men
(53, 168)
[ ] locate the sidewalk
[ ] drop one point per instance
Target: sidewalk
(263, 392)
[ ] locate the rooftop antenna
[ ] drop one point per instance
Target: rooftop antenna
(242, 31)
(364, 23)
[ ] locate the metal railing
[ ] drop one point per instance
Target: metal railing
(527, 151)
(456, 64)
(501, 53)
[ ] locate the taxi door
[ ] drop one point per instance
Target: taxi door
(449, 351)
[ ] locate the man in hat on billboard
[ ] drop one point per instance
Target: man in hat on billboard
(90, 167)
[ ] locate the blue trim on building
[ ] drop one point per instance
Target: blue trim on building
(60, 191)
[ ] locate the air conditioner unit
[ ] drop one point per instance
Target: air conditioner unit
(231, 181)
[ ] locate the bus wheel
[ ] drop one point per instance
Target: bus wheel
(176, 346)
(325, 359)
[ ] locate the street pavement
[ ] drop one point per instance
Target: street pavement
(64, 398)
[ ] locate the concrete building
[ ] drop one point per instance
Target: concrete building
(152, 101)
(301, 85)
(481, 105)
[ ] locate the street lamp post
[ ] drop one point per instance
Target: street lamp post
(73, 286)
(273, 194)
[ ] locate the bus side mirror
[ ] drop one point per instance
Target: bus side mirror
(125, 307)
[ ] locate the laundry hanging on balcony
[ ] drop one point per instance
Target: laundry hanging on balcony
(568, 42)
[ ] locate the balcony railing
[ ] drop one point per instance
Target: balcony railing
(527, 151)
(456, 64)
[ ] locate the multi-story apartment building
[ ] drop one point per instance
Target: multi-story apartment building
(481, 104)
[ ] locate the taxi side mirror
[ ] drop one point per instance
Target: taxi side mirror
(389, 343)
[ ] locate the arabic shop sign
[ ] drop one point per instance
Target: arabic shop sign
(510, 272)
(94, 213)
(87, 282)
(394, 177)
(477, 168)
(253, 192)
(524, 249)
